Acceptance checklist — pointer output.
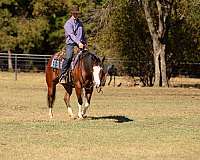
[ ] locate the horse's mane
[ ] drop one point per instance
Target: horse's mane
(93, 56)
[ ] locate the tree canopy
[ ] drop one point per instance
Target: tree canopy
(117, 28)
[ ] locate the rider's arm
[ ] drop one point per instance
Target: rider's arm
(70, 32)
(80, 33)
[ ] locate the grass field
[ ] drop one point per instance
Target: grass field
(125, 123)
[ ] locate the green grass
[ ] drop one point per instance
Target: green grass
(123, 123)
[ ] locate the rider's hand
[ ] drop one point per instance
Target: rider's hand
(80, 45)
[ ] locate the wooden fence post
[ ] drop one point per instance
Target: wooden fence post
(15, 66)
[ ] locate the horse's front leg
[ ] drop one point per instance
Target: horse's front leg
(110, 79)
(67, 99)
(80, 100)
(87, 95)
(114, 80)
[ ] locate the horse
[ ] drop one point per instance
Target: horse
(111, 72)
(87, 72)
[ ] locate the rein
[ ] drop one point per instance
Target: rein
(99, 90)
(80, 55)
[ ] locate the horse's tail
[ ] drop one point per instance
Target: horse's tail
(52, 81)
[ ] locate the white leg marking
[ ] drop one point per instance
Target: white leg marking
(79, 111)
(85, 108)
(70, 111)
(50, 113)
(83, 95)
(96, 70)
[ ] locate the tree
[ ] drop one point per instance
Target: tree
(19, 31)
(36, 26)
(122, 32)
(32, 25)
(56, 13)
(145, 36)
(184, 32)
(157, 15)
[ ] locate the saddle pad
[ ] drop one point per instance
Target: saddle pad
(56, 63)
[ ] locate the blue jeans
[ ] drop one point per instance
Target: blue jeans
(68, 58)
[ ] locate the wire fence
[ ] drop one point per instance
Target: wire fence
(37, 63)
(23, 62)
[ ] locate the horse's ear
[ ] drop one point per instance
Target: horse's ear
(103, 59)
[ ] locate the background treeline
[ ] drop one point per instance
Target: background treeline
(115, 28)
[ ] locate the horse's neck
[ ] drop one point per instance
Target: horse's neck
(87, 62)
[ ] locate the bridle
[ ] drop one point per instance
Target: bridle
(99, 90)
(92, 84)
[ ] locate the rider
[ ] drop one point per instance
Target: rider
(75, 36)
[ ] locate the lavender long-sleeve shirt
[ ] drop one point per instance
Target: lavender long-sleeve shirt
(74, 31)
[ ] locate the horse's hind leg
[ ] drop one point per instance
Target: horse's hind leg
(114, 80)
(51, 98)
(52, 81)
(67, 99)
(110, 79)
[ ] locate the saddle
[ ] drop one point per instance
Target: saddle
(57, 62)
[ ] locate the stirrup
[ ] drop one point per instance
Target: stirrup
(62, 79)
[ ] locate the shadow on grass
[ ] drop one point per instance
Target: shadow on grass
(117, 119)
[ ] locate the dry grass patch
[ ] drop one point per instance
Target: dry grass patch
(123, 123)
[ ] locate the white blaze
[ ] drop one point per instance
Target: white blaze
(96, 71)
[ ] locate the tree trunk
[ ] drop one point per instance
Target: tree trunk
(156, 49)
(159, 36)
(160, 65)
(163, 66)
(10, 67)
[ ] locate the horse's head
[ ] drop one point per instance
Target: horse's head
(92, 70)
(99, 73)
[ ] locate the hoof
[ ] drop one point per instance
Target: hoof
(84, 116)
(80, 117)
(72, 117)
(50, 115)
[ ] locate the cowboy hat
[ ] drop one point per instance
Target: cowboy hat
(75, 9)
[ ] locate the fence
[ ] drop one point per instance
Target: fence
(37, 63)
(24, 62)
(34, 62)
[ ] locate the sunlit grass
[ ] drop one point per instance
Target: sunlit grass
(123, 123)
